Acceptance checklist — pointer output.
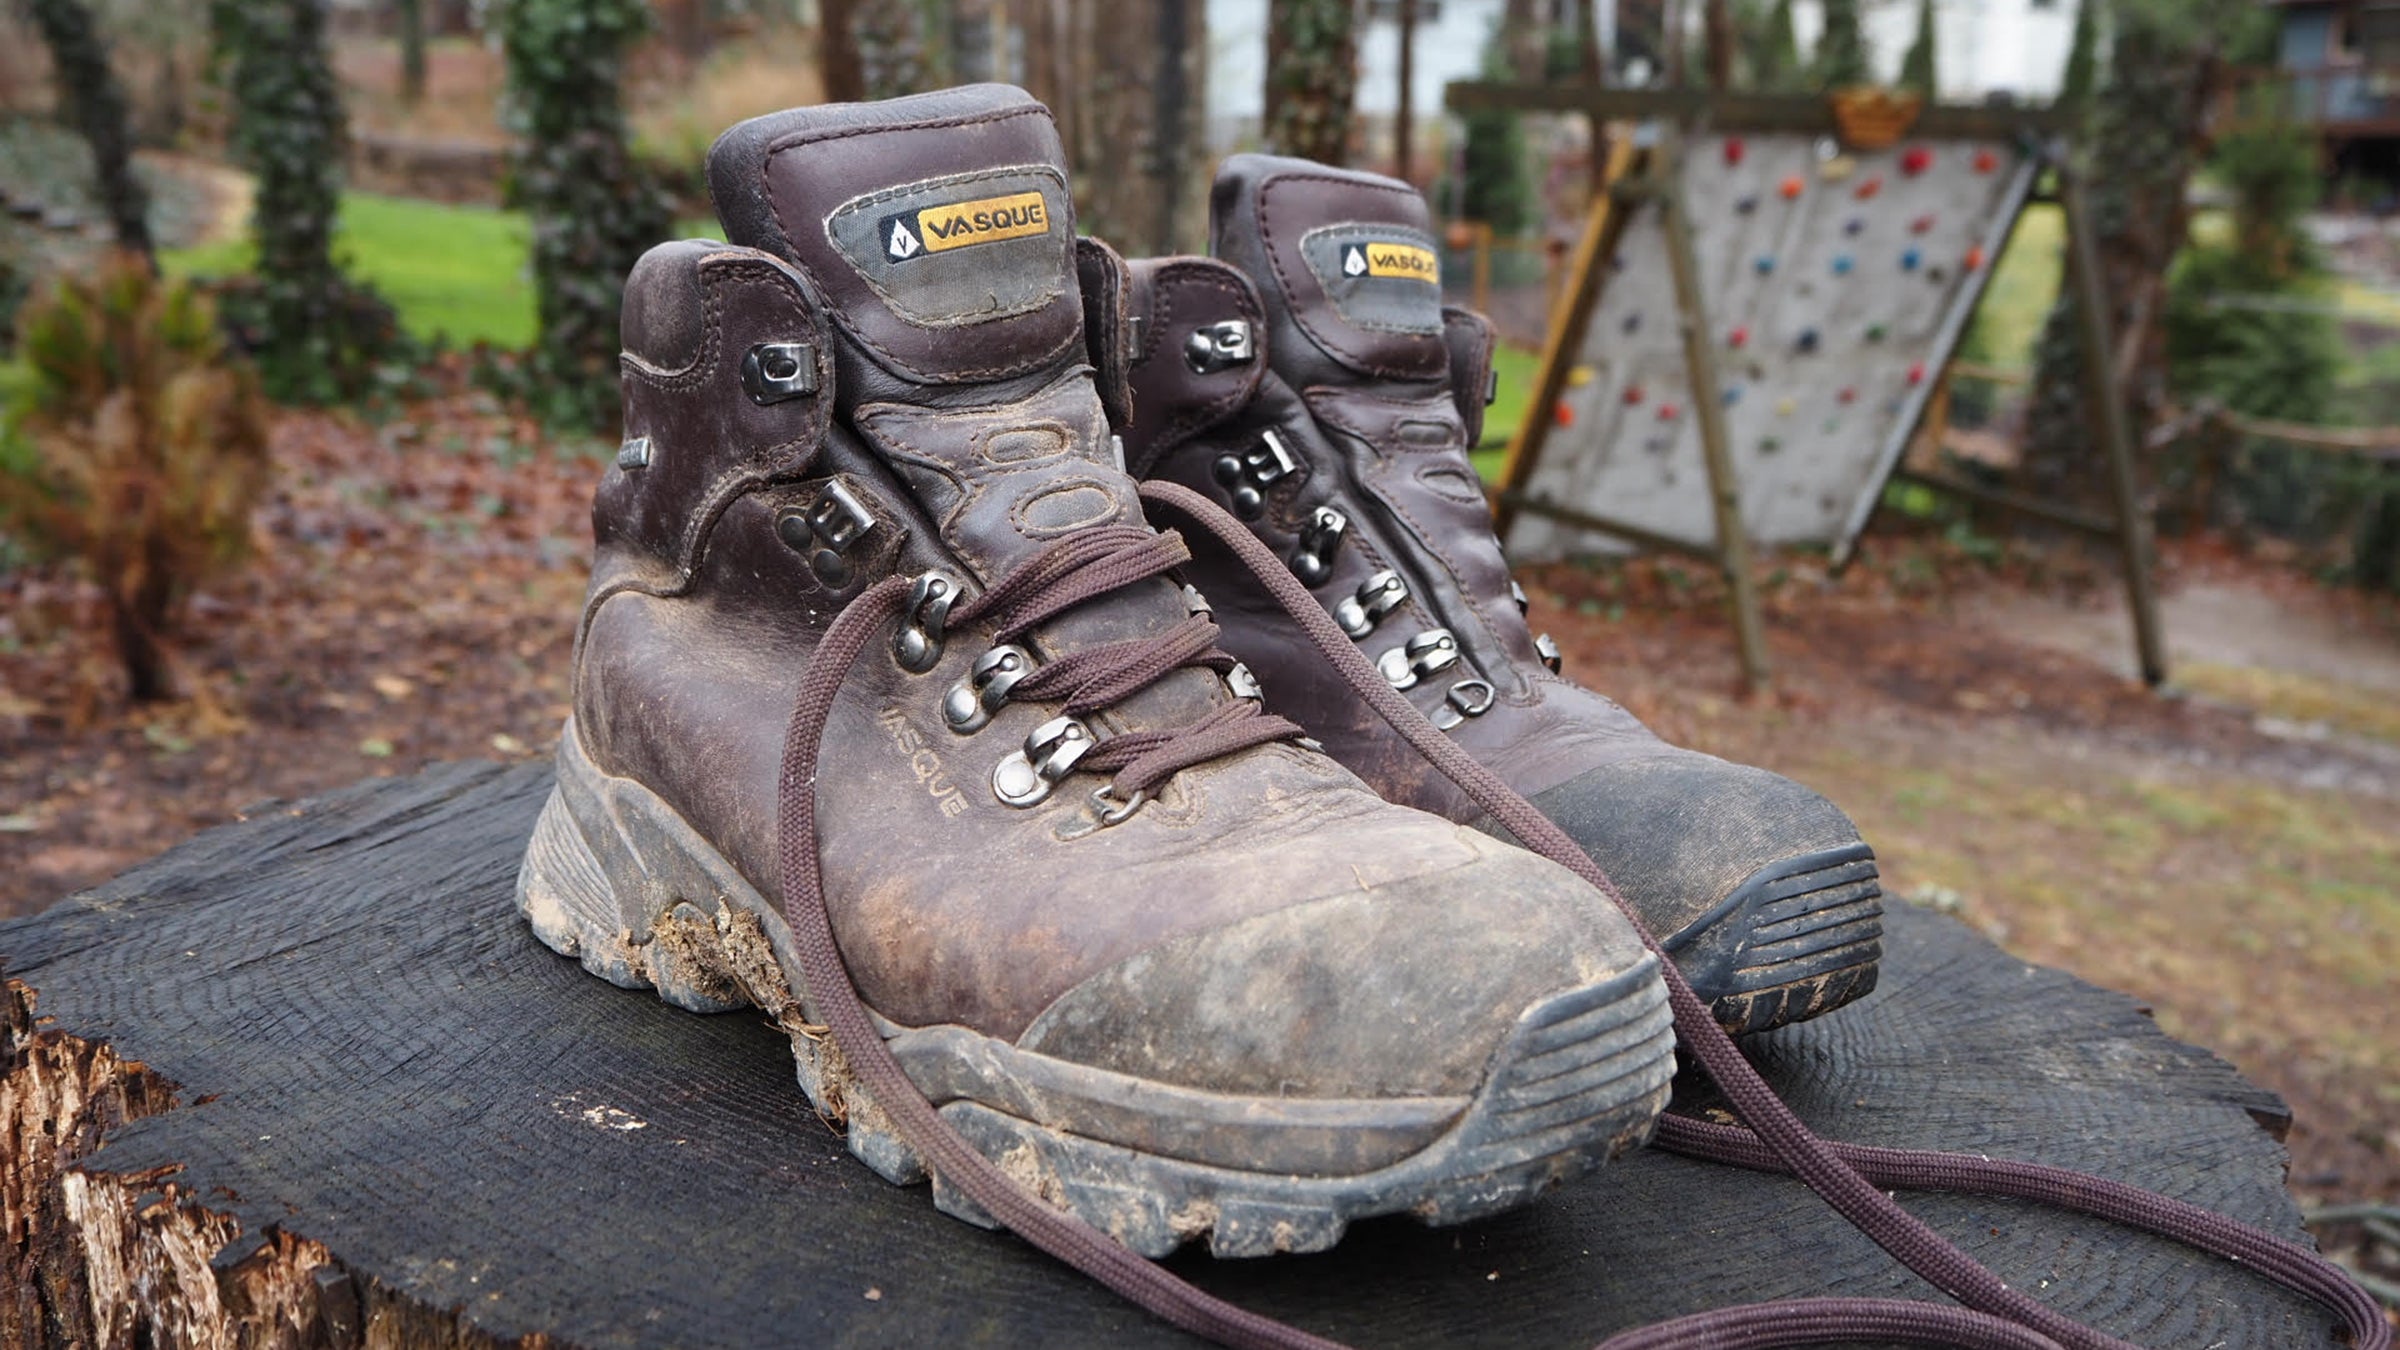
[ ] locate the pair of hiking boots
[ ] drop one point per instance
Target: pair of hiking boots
(1136, 887)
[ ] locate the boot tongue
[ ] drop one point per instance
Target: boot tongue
(1346, 263)
(939, 228)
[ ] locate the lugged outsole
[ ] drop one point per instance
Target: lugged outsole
(1796, 939)
(624, 886)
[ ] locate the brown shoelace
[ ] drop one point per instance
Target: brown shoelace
(1848, 1177)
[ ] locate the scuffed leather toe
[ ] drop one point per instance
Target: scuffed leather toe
(1400, 989)
(1679, 831)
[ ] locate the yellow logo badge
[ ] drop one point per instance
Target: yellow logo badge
(939, 229)
(1391, 260)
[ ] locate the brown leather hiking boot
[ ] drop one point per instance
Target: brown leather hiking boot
(1173, 969)
(1330, 405)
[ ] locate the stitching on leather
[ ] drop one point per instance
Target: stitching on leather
(1268, 235)
(1397, 504)
(1196, 418)
(1027, 530)
(869, 199)
(890, 357)
(1360, 226)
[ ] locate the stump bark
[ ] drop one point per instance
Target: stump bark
(308, 1081)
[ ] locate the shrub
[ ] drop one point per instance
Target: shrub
(134, 445)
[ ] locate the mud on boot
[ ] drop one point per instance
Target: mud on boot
(1308, 379)
(1171, 968)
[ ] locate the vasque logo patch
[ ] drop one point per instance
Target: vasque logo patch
(986, 220)
(1372, 259)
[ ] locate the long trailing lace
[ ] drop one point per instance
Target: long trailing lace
(1995, 1318)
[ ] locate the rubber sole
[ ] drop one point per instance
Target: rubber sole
(615, 878)
(1796, 939)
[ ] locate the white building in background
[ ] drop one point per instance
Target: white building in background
(1983, 48)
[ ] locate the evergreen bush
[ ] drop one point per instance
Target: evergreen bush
(136, 445)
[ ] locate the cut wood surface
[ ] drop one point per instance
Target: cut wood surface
(308, 1080)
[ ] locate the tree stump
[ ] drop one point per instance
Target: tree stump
(307, 1080)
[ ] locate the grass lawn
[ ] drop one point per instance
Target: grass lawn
(454, 272)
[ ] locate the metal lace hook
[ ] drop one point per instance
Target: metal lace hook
(1109, 810)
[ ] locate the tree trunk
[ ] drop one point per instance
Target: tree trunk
(95, 103)
(412, 51)
(837, 50)
(1717, 21)
(2142, 149)
(1312, 77)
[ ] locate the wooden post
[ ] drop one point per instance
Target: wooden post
(1708, 407)
(2109, 425)
(1570, 315)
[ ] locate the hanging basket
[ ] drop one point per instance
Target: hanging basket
(1870, 117)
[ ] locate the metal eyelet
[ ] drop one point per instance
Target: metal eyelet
(1026, 776)
(1219, 346)
(1547, 649)
(775, 372)
(1312, 562)
(1376, 597)
(918, 644)
(633, 453)
(1109, 811)
(1246, 477)
(1428, 653)
(1517, 593)
(1242, 684)
(1194, 602)
(825, 530)
(1470, 697)
(972, 702)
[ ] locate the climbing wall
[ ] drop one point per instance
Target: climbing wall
(1836, 285)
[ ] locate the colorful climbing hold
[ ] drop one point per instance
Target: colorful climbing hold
(1579, 376)
(1916, 373)
(1837, 169)
(1848, 395)
(1808, 339)
(1869, 188)
(1854, 224)
(1875, 332)
(1791, 187)
(1986, 161)
(1915, 160)
(1974, 258)
(1731, 395)
(1746, 205)
(1666, 412)
(1769, 444)
(1633, 394)
(1740, 336)
(1842, 263)
(1562, 414)
(1921, 224)
(1784, 407)
(1633, 322)
(1910, 259)
(1733, 150)
(1764, 263)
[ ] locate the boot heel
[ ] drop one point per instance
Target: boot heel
(565, 894)
(614, 878)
